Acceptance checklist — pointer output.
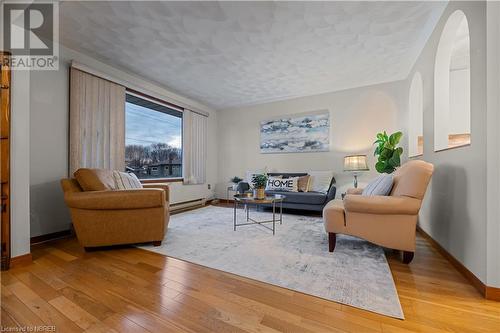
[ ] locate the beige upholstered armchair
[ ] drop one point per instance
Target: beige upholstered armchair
(389, 221)
(102, 216)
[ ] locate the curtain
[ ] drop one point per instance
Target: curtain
(194, 147)
(97, 123)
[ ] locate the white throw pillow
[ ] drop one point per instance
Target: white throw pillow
(126, 181)
(320, 181)
(382, 185)
(283, 184)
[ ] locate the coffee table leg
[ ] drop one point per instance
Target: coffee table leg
(248, 216)
(234, 217)
(281, 212)
(274, 216)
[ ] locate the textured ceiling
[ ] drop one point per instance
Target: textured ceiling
(230, 54)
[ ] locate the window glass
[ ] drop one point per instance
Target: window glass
(153, 139)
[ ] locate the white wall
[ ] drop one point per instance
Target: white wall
(493, 145)
(356, 115)
(48, 150)
(49, 140)
(454, 210)
(20, 163)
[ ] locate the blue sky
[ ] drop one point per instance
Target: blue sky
(144, 126)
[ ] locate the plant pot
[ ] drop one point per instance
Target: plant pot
(259, 193)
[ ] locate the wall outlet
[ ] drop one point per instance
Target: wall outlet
(209, 186)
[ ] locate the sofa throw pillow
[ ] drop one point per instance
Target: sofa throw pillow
(320, 181)
(126, 181)
(382, 185)
(282, 184)
(303, 184)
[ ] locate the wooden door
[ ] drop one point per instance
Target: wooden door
(5, 159)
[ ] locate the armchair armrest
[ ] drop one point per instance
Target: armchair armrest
(119, 199)
(382, 205)
(354, 191)
(162, 186)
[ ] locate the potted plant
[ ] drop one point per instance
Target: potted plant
(389, 155)
(235, 180)
(259, 184)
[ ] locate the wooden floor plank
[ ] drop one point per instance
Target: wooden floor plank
(19, 312)
(132, 290)
(47, 313)
(122, 324)
(79, 316)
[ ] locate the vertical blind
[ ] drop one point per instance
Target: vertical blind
(194, 147)
(97, 123)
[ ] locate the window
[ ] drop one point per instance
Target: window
(153, 139)
(416, 117)
(452, 85)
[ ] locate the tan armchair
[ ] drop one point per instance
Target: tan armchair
(389, 221)
(102, 216)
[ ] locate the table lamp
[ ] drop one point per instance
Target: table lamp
(355, 164)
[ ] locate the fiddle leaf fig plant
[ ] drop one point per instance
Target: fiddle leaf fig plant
(389, 154)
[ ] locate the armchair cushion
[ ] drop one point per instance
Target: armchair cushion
(381, 205)
(95, 179)
(119, 199)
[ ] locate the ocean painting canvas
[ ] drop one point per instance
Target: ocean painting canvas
(308, 132)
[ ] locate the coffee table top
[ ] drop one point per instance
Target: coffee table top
(267, 199)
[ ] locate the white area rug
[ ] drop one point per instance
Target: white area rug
(297, 257)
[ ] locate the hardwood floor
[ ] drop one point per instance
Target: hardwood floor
(132, 290)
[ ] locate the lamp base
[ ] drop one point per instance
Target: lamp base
(355, 181)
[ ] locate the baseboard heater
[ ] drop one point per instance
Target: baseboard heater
(185, 205)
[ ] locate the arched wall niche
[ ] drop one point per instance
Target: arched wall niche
(452, 85)
(416, 117)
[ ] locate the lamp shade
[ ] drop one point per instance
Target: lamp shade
(355, 163)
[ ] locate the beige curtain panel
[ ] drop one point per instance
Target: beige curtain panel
(194, 147)
(97, 123)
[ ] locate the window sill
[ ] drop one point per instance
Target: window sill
(162, 180)
(453, 147)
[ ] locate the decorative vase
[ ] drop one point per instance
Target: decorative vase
(259, 193)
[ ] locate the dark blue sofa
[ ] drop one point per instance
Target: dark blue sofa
(314, 201)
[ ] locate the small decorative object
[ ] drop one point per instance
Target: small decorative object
(389, 155)
(259, 184)
(235, 180)
(355, 164)
(309, 132)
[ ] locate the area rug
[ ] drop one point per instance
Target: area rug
(297, 257)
